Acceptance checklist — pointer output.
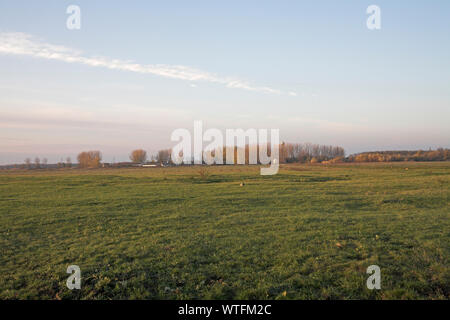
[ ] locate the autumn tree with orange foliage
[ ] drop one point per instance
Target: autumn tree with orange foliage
(138, 156)
(89, 159)
(386, 156)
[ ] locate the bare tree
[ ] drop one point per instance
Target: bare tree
(44, 162)
(164, 156)
(306, 152)
(138, 156)
(28, 163)
(69, 162)
(37, 162)
(61, 163)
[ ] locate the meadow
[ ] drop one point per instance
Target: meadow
(309, 232)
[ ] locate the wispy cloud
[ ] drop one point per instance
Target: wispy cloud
(17, 43)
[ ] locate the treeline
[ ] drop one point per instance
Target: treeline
(38, 163)
(92, 159)
(316, 153)
(386, 156)
(288, 153)
(308, 152)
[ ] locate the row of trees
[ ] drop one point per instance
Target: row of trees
(140, 156)
(315, 153)
(308, 152)
(86, 159)
(288, 153)
(38, 163)
(92, 159)
(386, 156)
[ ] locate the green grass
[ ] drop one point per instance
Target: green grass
(166, 233)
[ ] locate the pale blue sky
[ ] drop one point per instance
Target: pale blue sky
(357, 88)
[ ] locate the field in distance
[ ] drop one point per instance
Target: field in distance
(309, 232)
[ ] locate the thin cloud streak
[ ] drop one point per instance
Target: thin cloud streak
(18, 43)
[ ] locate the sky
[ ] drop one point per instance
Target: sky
(136, 71)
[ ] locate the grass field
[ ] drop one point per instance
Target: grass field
(308, 232)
